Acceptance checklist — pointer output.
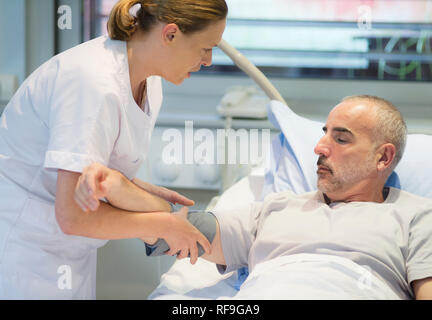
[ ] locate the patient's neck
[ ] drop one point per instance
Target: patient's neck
(378, 196)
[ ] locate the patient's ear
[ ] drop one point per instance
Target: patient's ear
(386, 154)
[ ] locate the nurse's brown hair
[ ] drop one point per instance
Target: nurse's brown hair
(189, 15)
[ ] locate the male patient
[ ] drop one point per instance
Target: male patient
(351, 239)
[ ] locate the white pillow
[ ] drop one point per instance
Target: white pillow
(292, 161)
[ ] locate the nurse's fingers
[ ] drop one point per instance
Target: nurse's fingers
(183, 212)
(83, 200)
(178, 198)
(203, 241)
(80, 201)
(90, 183)
(93, 204)
(85, 203)
(92, 187)
(183, 254)
(79, 196)
(172, 252)
(193, 253)
(82, 186)
(171, 196)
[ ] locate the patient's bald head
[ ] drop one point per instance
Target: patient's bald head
(390, 126)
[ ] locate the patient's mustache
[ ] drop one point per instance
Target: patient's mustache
(322, 163)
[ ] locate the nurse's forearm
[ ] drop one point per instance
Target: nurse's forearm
(107, 222)
(111, 223)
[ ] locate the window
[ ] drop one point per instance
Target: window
(96, 14)
(339, 39)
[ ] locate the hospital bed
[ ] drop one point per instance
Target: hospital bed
(290, 165)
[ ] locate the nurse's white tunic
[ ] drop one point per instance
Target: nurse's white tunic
(75, 109)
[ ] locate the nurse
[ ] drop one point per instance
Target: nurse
(96, 102)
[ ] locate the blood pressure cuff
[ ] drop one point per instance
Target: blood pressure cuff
(204, 221)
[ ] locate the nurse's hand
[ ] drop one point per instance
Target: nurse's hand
(95, 182)
(183, 237)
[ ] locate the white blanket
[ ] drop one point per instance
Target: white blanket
(297, 277)
(199, 281)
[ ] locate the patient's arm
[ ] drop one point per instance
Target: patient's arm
(423, 289)
(98, 181)
(216, 255)
(164, 193)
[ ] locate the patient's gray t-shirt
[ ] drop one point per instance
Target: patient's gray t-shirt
(393, 238)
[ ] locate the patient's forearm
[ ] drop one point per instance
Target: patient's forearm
(128, 196)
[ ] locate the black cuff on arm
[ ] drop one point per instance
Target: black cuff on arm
(204, 221)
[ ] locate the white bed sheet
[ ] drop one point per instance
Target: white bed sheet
(313, 277)
(295, 277)
(184, 281)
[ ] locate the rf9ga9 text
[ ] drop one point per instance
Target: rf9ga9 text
(237, 309)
